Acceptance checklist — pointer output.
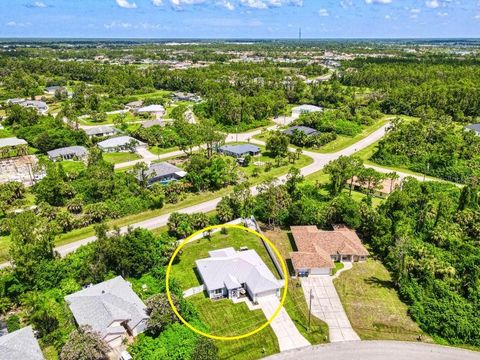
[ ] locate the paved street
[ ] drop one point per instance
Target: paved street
(377, 350)
(287, 334)
(319, 161)
(326, 305)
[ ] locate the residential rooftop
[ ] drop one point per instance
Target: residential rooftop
(240, 149)
(13, 141)
(20, 345)
(118, 141)
(229, 268)
(78, 151)
(303, 129)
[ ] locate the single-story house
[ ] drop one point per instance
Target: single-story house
(182, 96)
(385, 188)
(303, 129)
(474, 127)
(68, 153)
(134, 105)
(120, 144)
(163, 172)
(317, 249)
(228, 273)
(239, 151)
(20, 345)
(40, 106)
(14, 101)
(157, 110)
(52, 90)
(305, 109)
(100, 131)
(111, 308)
(12, 142)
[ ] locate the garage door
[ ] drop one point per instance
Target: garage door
(267, 293)
(320, 271)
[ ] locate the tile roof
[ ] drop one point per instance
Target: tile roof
(20, 345)
(304, 129)
(315, 247)
(102, 304)
(229, 268)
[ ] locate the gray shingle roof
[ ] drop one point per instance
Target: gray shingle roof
(117, 141)
(13, 141)
(100, 130)
(304, 129)
(20, 345)
(102, 304)
(229, 268)
(306, 109)
(240, 149)
(78, 151)
(163, 169)
(474, 127)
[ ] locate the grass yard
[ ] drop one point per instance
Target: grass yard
(295, 304)
(183, 269)
(373, 306)
(159, 151)
(227, 319)
(120, 157)
(71, 166)
(4, 247)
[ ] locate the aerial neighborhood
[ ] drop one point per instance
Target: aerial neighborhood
(240, 197)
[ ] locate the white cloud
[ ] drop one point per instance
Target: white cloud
(432, 4)
(39, 4)
(442, 14)
(157, 2)
(323, 12)
(226, 4)
(378, 1)
(387, 17)
(266, 4)
(126, 5)
(17, 24)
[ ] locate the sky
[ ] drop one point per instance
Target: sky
(240, 18)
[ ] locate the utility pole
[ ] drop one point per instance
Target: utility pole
(310, 309)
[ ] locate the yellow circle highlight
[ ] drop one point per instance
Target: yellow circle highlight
(237, 337)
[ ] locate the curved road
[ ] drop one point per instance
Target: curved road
(377, 350)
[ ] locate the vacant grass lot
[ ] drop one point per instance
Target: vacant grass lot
(184, 268)
(373, 306)
(295, 304)
(120, 157)
(227, 319)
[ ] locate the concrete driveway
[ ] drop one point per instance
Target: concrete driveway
(287, 334)
(378, 350)
(326, 306)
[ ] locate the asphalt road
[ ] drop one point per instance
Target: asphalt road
(377, 350)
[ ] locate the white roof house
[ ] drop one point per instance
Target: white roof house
(20, 345)
(305, 109)
(228, 273)
(164, 172)
(154, 109)
(40, 106)
(11, 142)
(120, 143)
(111, 308)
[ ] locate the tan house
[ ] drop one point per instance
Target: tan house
(385, 188)
(317, 249)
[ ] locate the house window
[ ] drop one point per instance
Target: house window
(218, 291)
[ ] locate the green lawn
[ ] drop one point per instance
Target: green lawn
(120, 157)
(4, 247)
(373, 306)
(338, 266)
(184, 268)
(295, 304)
(159, 151)
(71, 166)
(226, 318)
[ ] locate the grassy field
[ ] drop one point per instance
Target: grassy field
(373, 306)
(184, 268)
(227, 319)
(295, 303)
(159, 151)
(71, 166)
(120, 157)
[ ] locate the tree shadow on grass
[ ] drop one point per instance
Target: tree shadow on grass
(375, 281)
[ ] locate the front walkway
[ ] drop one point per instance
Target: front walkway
(326, 305)
(287, 334)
